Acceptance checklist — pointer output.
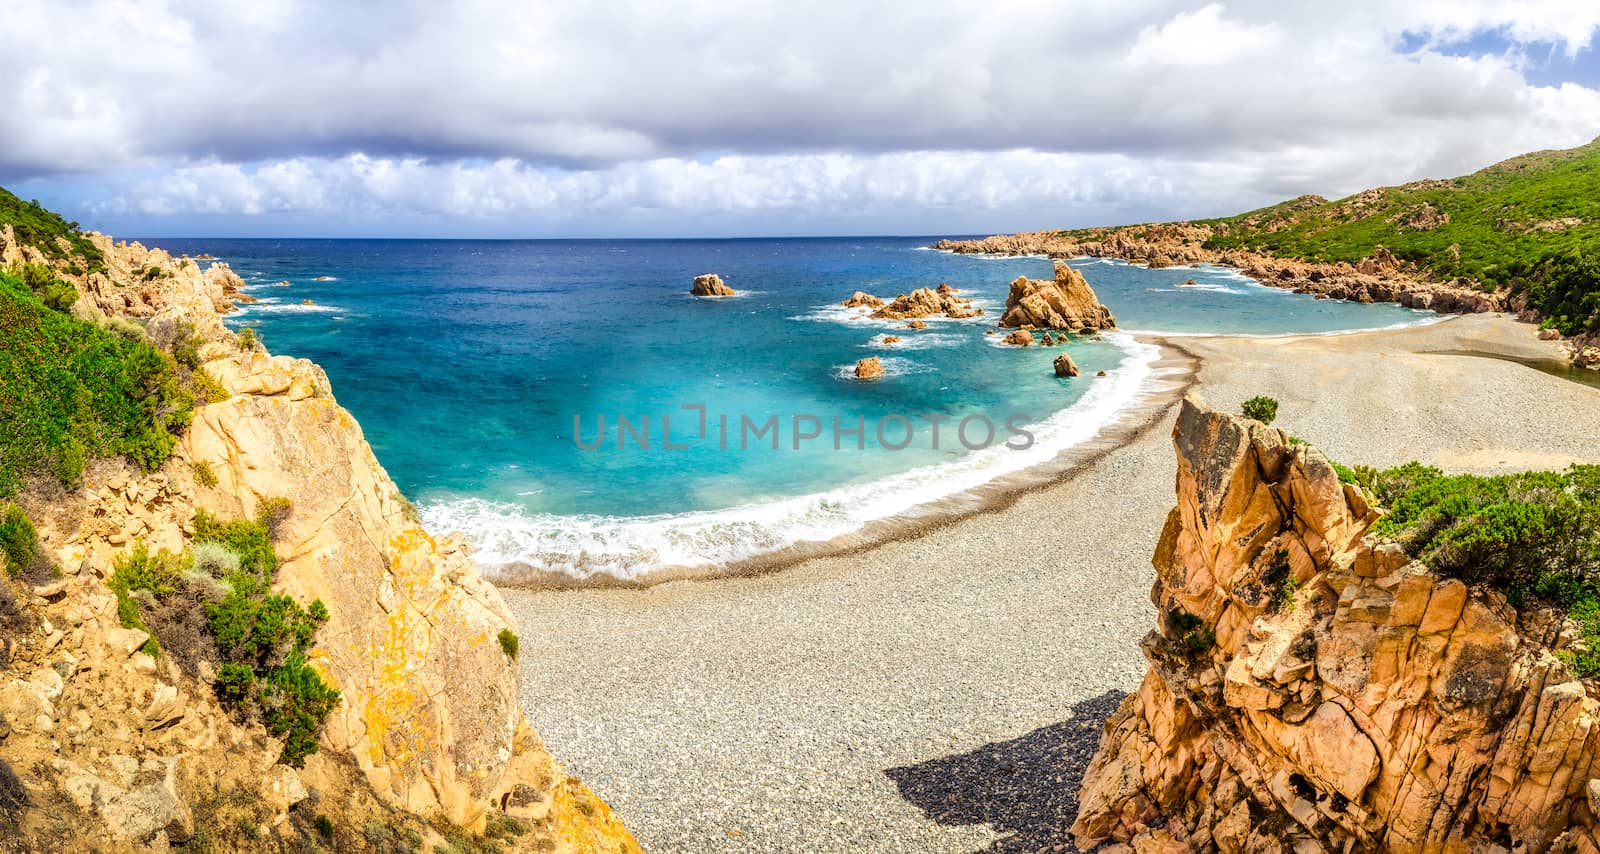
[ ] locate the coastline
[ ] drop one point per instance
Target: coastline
(794, 703)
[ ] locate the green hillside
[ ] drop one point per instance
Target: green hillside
(1531, 223)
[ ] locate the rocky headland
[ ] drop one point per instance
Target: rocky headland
(112, 741)
(1313, 688)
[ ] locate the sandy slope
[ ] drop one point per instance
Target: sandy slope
(920, 696)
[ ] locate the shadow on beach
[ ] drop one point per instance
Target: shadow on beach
(1026, 788)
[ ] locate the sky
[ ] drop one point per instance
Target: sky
(294, 118)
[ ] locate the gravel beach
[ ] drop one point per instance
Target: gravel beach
(943, 692)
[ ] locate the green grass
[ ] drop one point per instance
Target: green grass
(35, 226)
(71, 391)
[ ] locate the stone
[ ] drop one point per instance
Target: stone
(166, 708)
(1549, 335)
(1065, 367)
(891, 339)
(862, 299)
(141, 813)
(869, 368)
(282, 788)
(125, 642)
(1065, 303)
(1020, 338)
(710, 285)
(1363, 713)
(925, 302)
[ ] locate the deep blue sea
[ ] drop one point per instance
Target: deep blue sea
(467, 362)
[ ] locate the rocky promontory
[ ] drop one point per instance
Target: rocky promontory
(1313, 688)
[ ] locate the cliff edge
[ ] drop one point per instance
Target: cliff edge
(1313, 688)
(427, 731)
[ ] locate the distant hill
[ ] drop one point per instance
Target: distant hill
(1526, 230)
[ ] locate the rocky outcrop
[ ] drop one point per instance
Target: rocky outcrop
(1065, 367)
(862, 299)
(869, 368)
(922, 302)
(1378, 278)
(711, 285)
(429, 720)
(1066, 302)
(1313, 689)
(1020, 338)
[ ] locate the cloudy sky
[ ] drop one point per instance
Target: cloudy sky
(656, 118)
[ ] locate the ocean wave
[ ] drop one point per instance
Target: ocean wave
(862, 316)
(514, 545)
(269, 306)
(922, 341)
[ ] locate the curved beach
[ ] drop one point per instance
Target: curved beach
(942, 691)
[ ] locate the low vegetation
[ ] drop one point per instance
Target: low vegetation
(71, 391)
(19, 542)
(1263, 409)
(509, 643)
(216, 603)
(45, 230)
(1534, 535)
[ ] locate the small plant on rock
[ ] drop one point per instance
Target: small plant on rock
(1260, 408)
(509, 643)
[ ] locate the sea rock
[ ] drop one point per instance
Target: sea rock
(926, 302)
(1020, 338)
(916, 324)
(862, 299)
(1065, 367)
(710, 285)
(891, 339)
(1067, 303)
(1370, 705)
(869, 368)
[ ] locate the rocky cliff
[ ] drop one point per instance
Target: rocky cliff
(428, 735)
(1311, 688)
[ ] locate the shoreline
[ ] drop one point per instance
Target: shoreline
(1173, 373)
(794, 704)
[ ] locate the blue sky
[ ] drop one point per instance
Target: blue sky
(477, 119)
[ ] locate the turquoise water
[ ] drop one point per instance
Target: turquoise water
(467, 362)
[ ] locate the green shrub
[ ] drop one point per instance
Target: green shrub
(324, 827)
(203, 474)
(20, 544)
(71, 391)
(1193, 635)
(509, 643)
(250, 539)
(246, 338)
(1263, 409)
(159, 575)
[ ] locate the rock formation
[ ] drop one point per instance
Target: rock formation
(869, 368)
(862, 299)
(923, 302)
(1065, 367)
(1379, 278)
(1313, 689)
(1020, 338)
(710, 285)
(1067, 302)
(429, 720)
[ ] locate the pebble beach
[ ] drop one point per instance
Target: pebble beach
(943, 691)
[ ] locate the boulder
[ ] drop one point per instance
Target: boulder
(916, 324)
(926, 302)
(1549, 335)
(1065, 367)
(710, 285)
(862, 299)
(891, 339)
(869, 368)
(1067, 302)
(1020, 338)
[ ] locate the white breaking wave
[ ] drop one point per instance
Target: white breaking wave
(267, 306)
(1404, 324)
(915, 341)
(510, 541)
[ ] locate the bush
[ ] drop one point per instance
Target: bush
(1533, 535)
(509, 643)
(20, 544)
(203, 474)
(71, 391)
(1263, 409)
(246, 338)
(1192, 632)
(139, 572)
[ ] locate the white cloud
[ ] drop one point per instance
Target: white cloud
(480, 109)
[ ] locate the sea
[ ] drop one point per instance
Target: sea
(577, 416)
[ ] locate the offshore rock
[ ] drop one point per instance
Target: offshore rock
(710, 285)
(1066, 302)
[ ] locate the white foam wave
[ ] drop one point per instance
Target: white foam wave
(268, 306)
(1404, 324)
(862, 316)
(924, 341)
(508, 539)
